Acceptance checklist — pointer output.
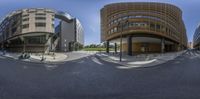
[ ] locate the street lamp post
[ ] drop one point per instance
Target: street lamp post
(122, 28)
(120, 53)
(3, 48)
(24, 46)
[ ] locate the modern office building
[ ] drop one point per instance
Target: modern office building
(145, 27)
(190, 45)
(33, 30)
(196, 38)
(73, 38)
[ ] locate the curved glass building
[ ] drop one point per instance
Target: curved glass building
(33, 30)
(145, 27)
(196, 38)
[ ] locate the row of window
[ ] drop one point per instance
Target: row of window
(36, 40)
(25, 26)
(153, 27)
(36, 25)
(136, 13)
(131, 17)
(40, 24)
(26, 19)
(40, 18)
(25, 15)
(132, 24)
(138, 16)
(44, 14)
(37, 14)
(37, 18)
(5, 24)
(38, 10)
(130, 12)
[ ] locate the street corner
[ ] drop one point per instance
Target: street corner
(50, 58)
(137, 61)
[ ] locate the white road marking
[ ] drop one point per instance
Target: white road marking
(195, 53)
(187, 53)
(94, 59)
(142, 62)
(50, 67)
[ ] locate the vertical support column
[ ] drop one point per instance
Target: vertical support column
(129, 43)
(47, 43)
(115, 48)
(162, 45)
(181, 47)
(24, 45)
(199, 47)
(177, 47)
(2, 46)
(174, 47)
(107, 47)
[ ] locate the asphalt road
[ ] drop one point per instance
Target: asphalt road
(88, 77)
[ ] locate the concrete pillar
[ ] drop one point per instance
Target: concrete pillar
(181, 47)
(2, 46)
(177, 47)
(115, 47)
(174, 47)
(24, 44)
(129, 43)
(45, 50)
(162, 45)
(107, 47)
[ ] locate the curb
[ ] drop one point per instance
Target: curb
(99, 57)
(36, 61)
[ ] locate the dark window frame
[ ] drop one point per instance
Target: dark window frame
(25, 26)
(40, 24)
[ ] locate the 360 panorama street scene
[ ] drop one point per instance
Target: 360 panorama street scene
(99, 49)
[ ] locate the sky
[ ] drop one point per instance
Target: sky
(88, 12)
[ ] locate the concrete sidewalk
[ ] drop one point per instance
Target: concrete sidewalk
(142, 60)
(37, 57)
(57, 57)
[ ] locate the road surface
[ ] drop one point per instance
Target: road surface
(88, 77)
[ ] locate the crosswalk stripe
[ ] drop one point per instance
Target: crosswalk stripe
(192, 53)
(196, 54)
(187, 53)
